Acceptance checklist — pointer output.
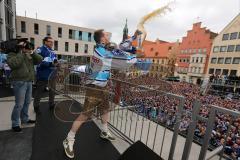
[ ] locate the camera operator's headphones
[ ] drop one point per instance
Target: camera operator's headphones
(15, 45)
(24, 43)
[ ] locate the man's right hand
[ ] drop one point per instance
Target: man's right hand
(137, 33)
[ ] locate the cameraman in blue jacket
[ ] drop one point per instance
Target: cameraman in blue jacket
(45, 70)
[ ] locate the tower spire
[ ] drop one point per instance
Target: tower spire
(125, 31)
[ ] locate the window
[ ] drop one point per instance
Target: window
(234, 35)
(151, 49)
(236, 60)
(86, 48)
(193, 59)
(237, 48)
(230, 48)
(76, 47)
(199, 50)
(233, 72)
(23, 27)
(218, 71)
(194, 50)
(59, 32)
(213, 60)
(201, 59)
(228, 60)
(220, 60)
(48, 30)
(74, 34)
(197, 60)
(223, 48)
(211, 71)
(225, 37)
(66, 46)
(199, 69)
(36, 28)
(56, 45)
(156, 53)
(225, 72)
(193, 70)
(204, 50)
(216, 49)
(182, 51)
(70, 34)
(32, 40)
(89, 37)
(80, 35)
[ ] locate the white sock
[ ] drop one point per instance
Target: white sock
(104, 127)
(71, 135)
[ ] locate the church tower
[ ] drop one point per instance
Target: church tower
(125, 31)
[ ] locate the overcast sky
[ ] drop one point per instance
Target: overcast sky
(111, 14)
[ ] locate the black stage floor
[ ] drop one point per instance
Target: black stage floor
(16, 146)
(49, 133)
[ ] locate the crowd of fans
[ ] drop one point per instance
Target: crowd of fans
(161, 108)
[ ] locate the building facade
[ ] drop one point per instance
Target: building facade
(194, 52)
(69, 41)
(162, 54)
(163, 57)
(7, 19)
(225, 53)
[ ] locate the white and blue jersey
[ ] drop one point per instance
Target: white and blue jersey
(104, 60)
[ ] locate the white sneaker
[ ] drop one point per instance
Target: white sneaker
(68, 147)
(107, 136)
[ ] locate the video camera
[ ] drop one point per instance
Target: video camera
(15, 45)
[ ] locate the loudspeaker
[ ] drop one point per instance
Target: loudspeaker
(139, 151)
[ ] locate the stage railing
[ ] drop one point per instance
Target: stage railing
(130, 118)
(134, 125)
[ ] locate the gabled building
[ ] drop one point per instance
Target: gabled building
(194, 53)
(163, 56)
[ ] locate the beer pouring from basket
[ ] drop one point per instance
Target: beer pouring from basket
(140, 39)
(156, 13)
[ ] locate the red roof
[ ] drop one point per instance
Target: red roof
(158, 50)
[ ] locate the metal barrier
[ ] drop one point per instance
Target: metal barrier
(129, 120)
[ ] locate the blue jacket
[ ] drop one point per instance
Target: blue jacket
(45, 68)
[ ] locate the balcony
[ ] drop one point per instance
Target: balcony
(194, 74)
(129, 123)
